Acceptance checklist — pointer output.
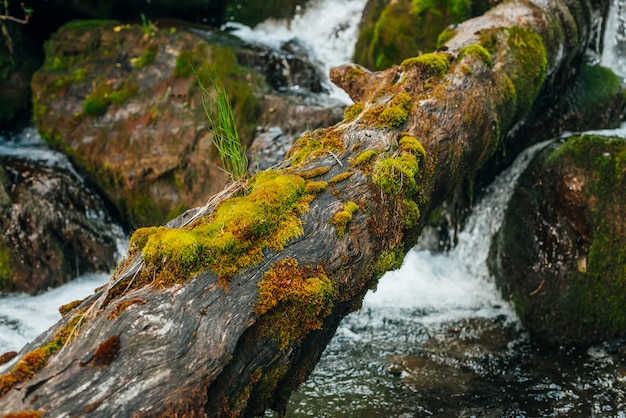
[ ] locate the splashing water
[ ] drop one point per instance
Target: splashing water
(454, 285)
(22, 316)
(614, 43)
(327, 27)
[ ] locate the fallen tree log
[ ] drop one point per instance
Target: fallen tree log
(228, 308)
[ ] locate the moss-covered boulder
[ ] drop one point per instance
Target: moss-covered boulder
(596, 100)
(18, 61)
(123, 102)
(392, 31)
(560, 255)
(52, 228)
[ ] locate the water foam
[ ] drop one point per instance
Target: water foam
(327, 27)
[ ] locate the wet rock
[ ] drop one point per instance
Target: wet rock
(597, 100)
(18, 61)
(560, 255)
(53, 228)
(284, 70)
(448, 374)
(123, 102)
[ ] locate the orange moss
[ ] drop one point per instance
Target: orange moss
(38, 358)
(68, 307)
(7, 357)
(120, 307)
(316, 172)
(25, 414)
(340, 177)
(316, 187)
(105, 353)
(294, 300)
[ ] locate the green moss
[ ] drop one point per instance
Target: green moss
(233, 237)
(390, 259)
(352, 111)
(477, 51)
(433, 64)
(392, 115)
(293, 301)
(595, 86)
(396, 175)
(391, 32)
(316, 172)
(97, 102)
(185, 63)
(340, 177)
(343, 217)
(597, 292)
(393, 37)
(353, 73)
(527, 54)
(316, 187)
(412, 145)
(148, 57)
(315, 144)
(410, 213)
(364, 159)
(445, 36)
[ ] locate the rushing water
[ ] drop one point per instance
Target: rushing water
(23, 317)
(435, 338)
(327, 28)
(614, 50)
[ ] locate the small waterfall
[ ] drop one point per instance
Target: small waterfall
(614, 42)
(23, 317)
(327, 28)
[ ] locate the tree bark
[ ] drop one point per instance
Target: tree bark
(222, 344)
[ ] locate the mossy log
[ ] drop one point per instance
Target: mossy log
(228, 308)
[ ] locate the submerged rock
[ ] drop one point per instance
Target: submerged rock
(123, 102)
(560, 255)
(52, 227)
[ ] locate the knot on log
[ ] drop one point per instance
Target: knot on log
(352, 78)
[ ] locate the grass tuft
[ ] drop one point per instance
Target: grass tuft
(219, 112)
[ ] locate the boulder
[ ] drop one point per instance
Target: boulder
(560, 255)
(123, 102)
(53, 228)
(392, 31)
